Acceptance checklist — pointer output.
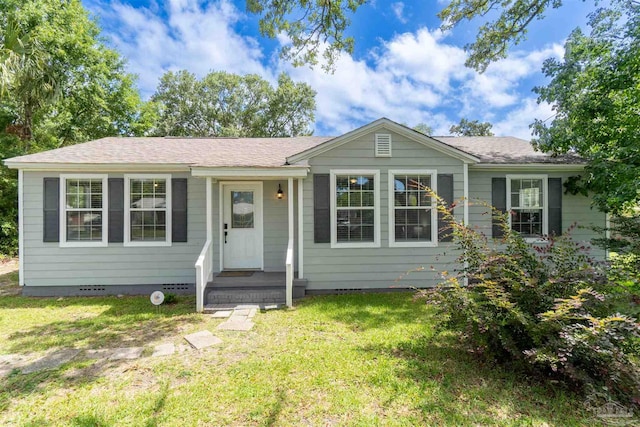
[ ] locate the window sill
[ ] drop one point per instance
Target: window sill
(146, 244)
(354, 245)
(100, 244)
(413, 244)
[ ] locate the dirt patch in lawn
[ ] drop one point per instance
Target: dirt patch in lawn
(9, 277)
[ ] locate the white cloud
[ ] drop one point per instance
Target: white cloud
(398, 11)
(196, 37)
(516, 122)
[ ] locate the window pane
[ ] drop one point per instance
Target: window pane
(84, 225)
(528, 222)
(242, 209)
(413, 225)
(355, 192)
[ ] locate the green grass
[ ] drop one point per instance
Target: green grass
(356, 360)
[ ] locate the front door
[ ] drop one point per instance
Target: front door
(242, 225)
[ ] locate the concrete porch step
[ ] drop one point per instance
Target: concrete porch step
(250, 294)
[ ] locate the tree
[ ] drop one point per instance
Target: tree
(318, 26)
(595, 92)
(423, 128)
(471, 128)
(224, 104)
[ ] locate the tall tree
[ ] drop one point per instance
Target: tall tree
(471, 128)
(595, 91)
(225, 104)
(423, 128)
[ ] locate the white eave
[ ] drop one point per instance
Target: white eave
(98, 167)
(251, 172)
(388, 125)
(556, 167)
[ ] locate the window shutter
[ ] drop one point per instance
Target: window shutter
(51, 210)
(383, 145)
(321, 208)
(445, 191)
(555, 206)
(498, 201)
(179, 209)
(116, 210)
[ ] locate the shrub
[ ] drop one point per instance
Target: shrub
(548, 308)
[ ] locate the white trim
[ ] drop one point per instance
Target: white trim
(63, 212)
(545, 202)
(220, 225)
(376, 208)
(259, 219)
(465, 193)
(300, 228)
(209, 204)
(384, 141)
(21, 227)
(389, 125)
(98, 167)
(127, 210)
(522, 167)
(290, 211)
(392, 217)
(252, 173)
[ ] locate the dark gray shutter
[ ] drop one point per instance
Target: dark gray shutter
(498, 201)
(179, 209)
(51, 210)
(445, 191)
(321, 208)
(116, 210)
(555, 206)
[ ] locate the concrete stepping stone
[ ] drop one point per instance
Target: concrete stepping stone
(9, 362)
(252, 313)
(101, 353)
(51, 361)
(222, 314)
(202, 339)
(231, 325)
(126, 353)
(163, 350)
(241, 312)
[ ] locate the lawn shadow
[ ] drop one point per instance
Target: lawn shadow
(462, 389)
(125, 322)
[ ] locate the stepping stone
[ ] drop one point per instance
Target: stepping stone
(241, 312)
(236, 318)
(202, 339)
(252, 313)
(164, 350)
(126, 353)
(222, 314)
(51, 361)
(102, 353)
(230, 325)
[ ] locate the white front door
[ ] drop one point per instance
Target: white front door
(242, 225)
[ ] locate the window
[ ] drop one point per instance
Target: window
(83, 201)
(527, 203)
(147, 210)
(355, 209)
(413, 218)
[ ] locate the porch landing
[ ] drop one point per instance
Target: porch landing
(259, 288)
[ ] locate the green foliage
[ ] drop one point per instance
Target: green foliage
(423, 128)
(549, 309)
(225, 104)
(59, 85)
(313, 27)
(471, 128)
(595, 91)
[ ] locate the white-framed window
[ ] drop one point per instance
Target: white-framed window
(147, 203)
(355, 208)
(527, 203)
(413, 217)
(83, 198)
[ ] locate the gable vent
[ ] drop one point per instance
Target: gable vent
(383, 145)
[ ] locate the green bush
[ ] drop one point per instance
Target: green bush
(550, 309)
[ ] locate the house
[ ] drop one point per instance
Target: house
(309, 214)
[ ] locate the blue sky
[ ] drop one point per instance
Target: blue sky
(403, 67)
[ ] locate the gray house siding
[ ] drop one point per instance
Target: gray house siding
(385, 267)
(576, 209)
(48, 264)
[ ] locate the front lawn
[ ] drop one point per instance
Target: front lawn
(335, 360)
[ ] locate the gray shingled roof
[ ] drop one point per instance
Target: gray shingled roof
(259, 152)
(503, 150)
(207, 152)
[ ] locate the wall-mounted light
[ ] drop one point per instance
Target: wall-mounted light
(353, 180)
(280, 193)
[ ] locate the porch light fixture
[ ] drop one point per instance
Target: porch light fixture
(280, 193)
